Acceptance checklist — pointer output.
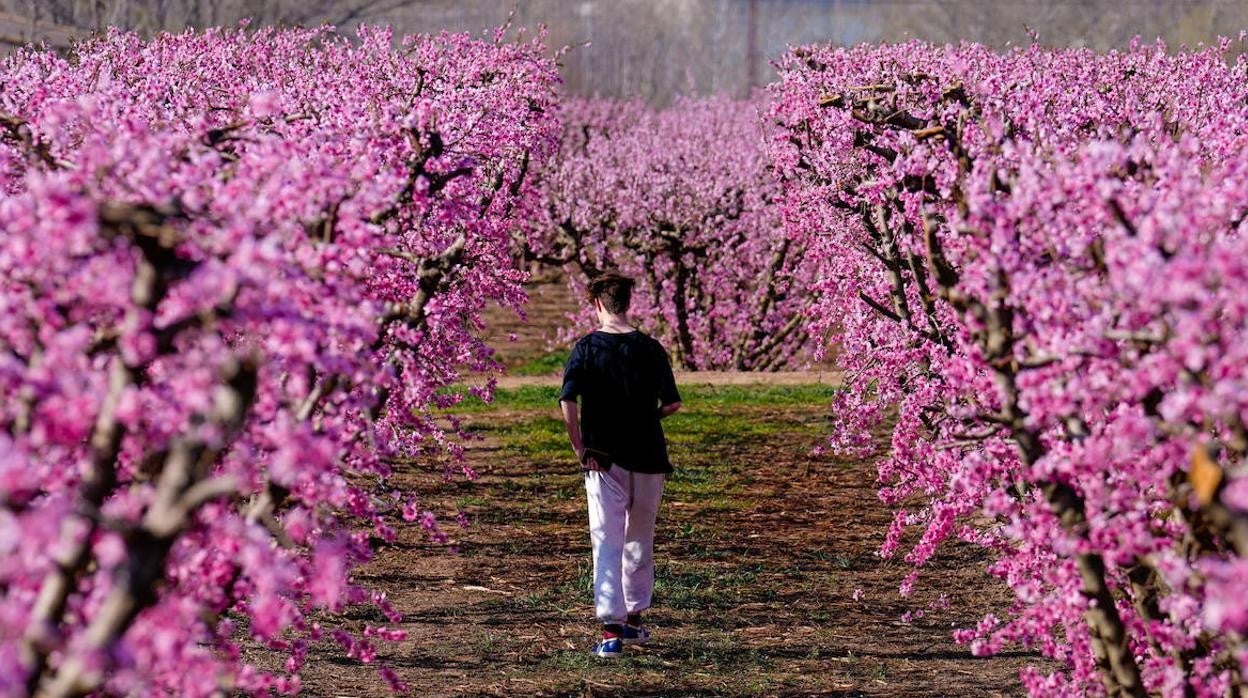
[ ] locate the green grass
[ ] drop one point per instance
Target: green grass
(563, 598)
(757, 395)
(463, 503)
(693, 481)
(712, 648)
(540, 438)
(696, 398)
(720, 649)
(700, 586)
(529, 397)
(545, 365)
(698, 541)
(701, 428)
(703, 438)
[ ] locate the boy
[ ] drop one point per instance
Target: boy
(625, 382)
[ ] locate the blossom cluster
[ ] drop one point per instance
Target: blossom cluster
(681, 199)
(1037, 265)
(237, 269)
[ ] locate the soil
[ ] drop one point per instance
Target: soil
(768, 580)
(761, 554)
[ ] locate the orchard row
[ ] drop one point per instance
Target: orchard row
(1038, 259)
(240, 270)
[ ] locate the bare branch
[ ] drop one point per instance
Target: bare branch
(879, 308)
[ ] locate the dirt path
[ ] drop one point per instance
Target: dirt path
(761, 552)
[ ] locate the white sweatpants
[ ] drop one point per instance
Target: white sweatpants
(623, 509)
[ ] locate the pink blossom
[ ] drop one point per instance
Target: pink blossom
(214, 329)
(1235, 495)
(263, 104)
(1035, 259)
(680, 198)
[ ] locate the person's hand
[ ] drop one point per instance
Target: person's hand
(589, 464)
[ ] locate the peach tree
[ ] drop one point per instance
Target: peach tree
(237, 269)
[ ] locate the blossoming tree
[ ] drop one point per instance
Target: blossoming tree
(682, 199)
(1038, 257)
(236, 267)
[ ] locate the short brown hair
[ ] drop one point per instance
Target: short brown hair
(613, 289)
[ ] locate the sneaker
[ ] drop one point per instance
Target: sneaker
(635, 635)
(609, 647)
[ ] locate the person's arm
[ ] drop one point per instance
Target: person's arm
(573, 423)
(668, 410)
(572, 385)
(669, 396)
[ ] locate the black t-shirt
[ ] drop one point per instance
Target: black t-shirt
(622, 380)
